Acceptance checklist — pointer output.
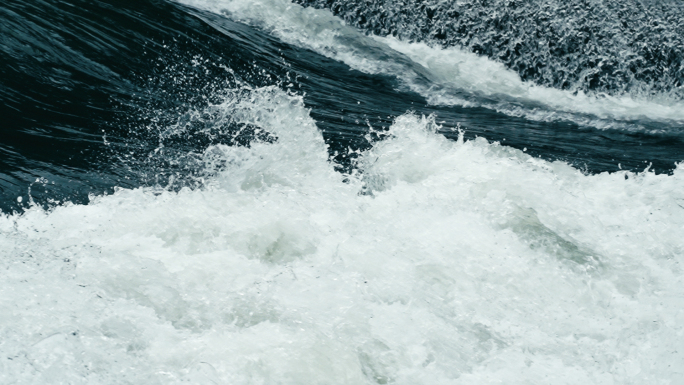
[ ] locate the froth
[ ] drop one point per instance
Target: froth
(437, 262)
(457, 68)
(448, 76)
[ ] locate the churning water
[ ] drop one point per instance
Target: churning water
(254, 192)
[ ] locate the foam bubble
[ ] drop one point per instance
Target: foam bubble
(438, 262)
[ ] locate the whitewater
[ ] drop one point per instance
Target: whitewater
(446, 76)
(432, 261)
(437, 262)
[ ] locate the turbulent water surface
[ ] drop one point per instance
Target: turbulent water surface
(341, 192)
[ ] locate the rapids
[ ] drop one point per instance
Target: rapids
(256, 192)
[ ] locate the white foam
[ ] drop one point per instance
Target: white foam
(462, 262)
(458, 68)
(442, 75)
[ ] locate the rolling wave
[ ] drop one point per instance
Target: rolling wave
(451, 76)
(92, 92)
(608, 46)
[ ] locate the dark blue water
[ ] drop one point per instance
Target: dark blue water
(87, 87)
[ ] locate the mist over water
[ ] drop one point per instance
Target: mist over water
(257, 193)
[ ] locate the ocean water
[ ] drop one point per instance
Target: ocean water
(257, 192)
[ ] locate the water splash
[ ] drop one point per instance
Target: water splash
(470, 262)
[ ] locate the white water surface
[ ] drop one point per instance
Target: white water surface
(440, 262)
(449, 76)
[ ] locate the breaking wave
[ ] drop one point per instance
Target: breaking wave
(438, 261)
